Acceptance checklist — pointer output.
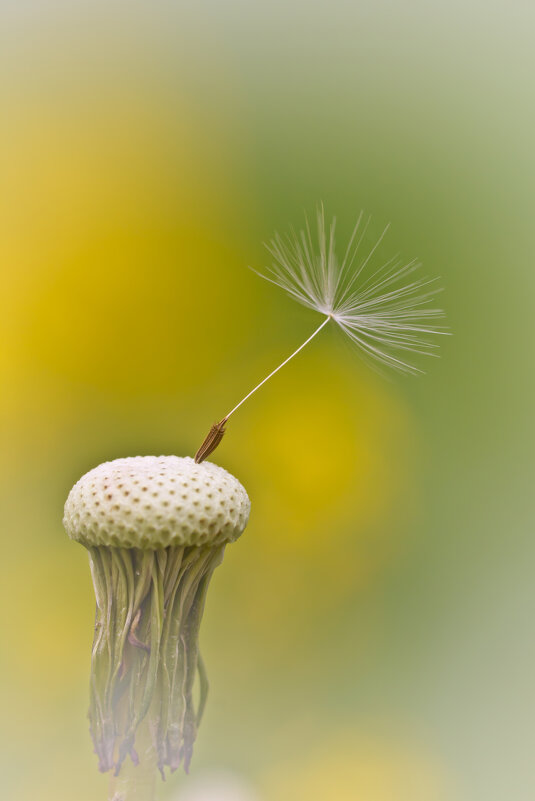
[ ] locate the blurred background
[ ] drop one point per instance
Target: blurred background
(370, 637)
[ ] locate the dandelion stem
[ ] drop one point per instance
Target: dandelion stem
(276, 370)
(137, 781)
(215, 435)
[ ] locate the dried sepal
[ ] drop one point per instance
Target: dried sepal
(146, 651)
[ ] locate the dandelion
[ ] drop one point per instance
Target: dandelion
(156, 527)
(384, 308)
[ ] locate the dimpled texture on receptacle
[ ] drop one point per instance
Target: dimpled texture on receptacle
(156, 501)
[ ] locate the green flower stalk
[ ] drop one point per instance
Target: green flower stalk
(155, 529)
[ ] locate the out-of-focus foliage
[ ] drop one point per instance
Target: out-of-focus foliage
(369, 637)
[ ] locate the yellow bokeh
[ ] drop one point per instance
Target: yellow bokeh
(148, 150)
(360, 769)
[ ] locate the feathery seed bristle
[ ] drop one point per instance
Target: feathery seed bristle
(382, 309)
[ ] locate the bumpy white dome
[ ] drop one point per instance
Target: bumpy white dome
(155, 501)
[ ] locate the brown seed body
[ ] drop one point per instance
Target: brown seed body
(211, 441)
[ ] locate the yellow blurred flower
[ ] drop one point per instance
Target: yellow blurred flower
(354, 769)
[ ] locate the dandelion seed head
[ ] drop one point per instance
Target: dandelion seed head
(386, 308)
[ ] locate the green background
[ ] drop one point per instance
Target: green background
(370, 637)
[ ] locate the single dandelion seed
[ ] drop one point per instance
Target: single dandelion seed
(165, 526)
(385, 308)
